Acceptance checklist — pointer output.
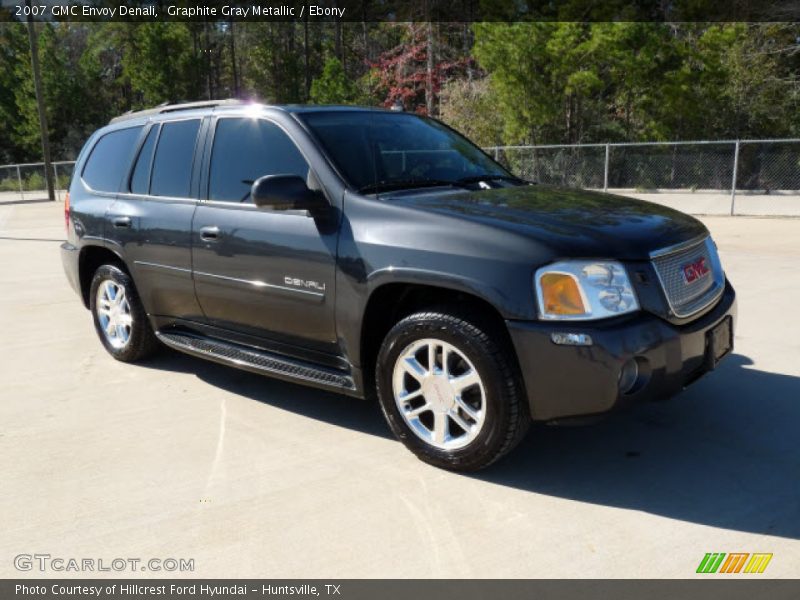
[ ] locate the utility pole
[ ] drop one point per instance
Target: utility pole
(37, 84)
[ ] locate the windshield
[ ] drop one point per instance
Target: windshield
(378, 151)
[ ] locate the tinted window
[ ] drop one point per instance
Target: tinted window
(374, 148)
(172, 169)
(246, 149)
(140, 181)
(110, 159)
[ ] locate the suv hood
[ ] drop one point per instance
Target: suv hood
(572, 223)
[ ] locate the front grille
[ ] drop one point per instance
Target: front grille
(685, 297)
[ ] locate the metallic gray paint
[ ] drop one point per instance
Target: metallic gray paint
(484, 243)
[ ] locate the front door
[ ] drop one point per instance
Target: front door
(257, 271)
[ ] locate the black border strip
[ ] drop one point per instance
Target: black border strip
(711, 587)
(409, 10)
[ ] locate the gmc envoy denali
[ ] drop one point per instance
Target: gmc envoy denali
(381, 254)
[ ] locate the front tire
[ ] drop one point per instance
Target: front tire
(450, 390)
(119, 317)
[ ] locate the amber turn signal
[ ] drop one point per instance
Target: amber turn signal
(561, 294)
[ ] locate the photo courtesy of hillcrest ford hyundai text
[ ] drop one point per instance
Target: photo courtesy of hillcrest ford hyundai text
(381, 254)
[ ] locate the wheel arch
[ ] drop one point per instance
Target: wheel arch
(391, 302)
(91, 257)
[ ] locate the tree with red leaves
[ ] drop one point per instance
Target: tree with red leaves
(412, 73)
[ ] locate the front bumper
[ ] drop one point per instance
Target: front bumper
(566, 381)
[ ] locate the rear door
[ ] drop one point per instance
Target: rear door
(258, 271)
(100, 181)
(151, 220)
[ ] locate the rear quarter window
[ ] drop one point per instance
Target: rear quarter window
(110, 159)
(140, 180)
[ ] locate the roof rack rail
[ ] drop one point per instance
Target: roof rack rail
(167, 108)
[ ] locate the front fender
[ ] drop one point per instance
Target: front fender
(353, 297)
(491, 293)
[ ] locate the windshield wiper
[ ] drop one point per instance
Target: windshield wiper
(407, 184)
(488, 177)
(403, 184)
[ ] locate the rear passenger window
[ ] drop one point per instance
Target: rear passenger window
(140, 180)
(110, 159)
(172, 169)
(246, 149)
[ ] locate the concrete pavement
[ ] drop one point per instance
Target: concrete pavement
(248, 476)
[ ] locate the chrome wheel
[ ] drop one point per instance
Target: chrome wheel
(114, 313)
(439, 393)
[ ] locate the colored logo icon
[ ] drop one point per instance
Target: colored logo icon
(734, 562)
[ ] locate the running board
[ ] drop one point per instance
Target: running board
(257, 361)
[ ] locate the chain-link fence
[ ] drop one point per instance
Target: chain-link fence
(25, 182)
(759, 177)
(744, 177)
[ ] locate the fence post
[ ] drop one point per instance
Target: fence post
(19, 179)
(497, 153)
(605, 172)
(58, 186)
(735, 173)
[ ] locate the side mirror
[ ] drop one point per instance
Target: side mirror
(286, 192)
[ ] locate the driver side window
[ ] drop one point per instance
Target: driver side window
(246, 149)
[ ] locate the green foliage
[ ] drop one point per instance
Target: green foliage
(333, 86)
(33, 182)
(470, 107)
(575, 82)
(499, 82)
(161, 64)
(516, 58)
(9, 184)
(25, 126)
(276, 67)
(72, 91)
(13, 50)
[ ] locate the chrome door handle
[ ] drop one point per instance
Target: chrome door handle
(121, 222)
(209, 234)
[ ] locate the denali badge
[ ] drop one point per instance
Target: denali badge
(304, 283)
(695, 270)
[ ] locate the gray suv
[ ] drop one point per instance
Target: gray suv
(382, 255)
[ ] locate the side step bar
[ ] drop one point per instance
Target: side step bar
(257, 361)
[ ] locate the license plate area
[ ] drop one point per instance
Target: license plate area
(719, 342)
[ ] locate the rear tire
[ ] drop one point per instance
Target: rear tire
(119, 317)
(450, 390)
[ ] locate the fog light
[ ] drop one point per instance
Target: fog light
(628, 376)
(571, 339)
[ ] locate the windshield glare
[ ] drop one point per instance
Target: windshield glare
(375, 150)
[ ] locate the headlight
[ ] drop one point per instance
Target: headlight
(581, 290)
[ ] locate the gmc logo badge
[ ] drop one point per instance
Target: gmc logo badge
(695, 270)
